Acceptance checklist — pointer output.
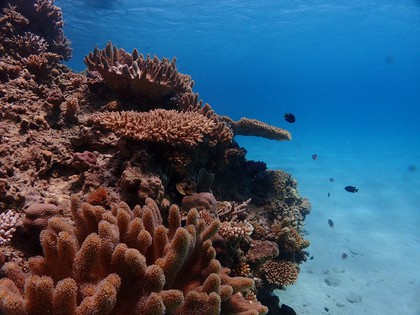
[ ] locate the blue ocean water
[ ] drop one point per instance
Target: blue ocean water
(350, 72)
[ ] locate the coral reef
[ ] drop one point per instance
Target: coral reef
(280, 273)
(125, 261)
(33, 27)
(253, 127)
(155, 80)
(159, 125)
(131, 130)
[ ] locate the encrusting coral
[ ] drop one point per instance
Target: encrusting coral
(125, 261)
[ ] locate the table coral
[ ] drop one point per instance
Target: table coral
(125, 261)
(253, 127)
(166, 126)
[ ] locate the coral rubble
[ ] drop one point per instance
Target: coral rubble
(175, 220)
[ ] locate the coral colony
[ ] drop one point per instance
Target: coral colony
(122, 193)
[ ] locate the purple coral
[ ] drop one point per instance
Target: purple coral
(82, 161)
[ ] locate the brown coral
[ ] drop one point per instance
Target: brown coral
(34, 24)
(37, 216)
(125, 262)
(262, 251)
(150, 78)
(280, 273)
(253, 127)
(166, 126)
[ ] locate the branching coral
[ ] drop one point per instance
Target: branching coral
(8, 223)
(33, 24)
(151, 78)
(166, 126)
(125, 262)
(280, 273)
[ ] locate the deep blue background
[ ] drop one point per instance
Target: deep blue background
(347, 70)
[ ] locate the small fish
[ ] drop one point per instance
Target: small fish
(314, 156)
(326, 309)
(311, 258)
(290, 118)
(331, 179)
(331, 223)
(328, 195)
(351, 189)
(343, 256)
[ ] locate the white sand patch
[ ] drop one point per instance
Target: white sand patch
(378, 227)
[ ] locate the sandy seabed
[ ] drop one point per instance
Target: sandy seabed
(377, 228)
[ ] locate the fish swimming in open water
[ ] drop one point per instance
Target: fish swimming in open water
(290, 118)
(351, 189)
(331, 223)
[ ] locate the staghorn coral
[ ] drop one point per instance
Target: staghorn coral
(253, 127)
(280, 273)
(30, 44)
(229, 211)
(125, 262)
(166, 126)
(152, 79)
(40, 18)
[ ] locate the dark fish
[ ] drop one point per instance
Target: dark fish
(332, 179)
(328, 195)
(311, 258)
(330, 223)
(351, 189)
(314, 156)
(286, 310)
(289, 118)
(343, 256)
(326, 309)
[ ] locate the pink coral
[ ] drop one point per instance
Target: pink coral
(82, 161)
